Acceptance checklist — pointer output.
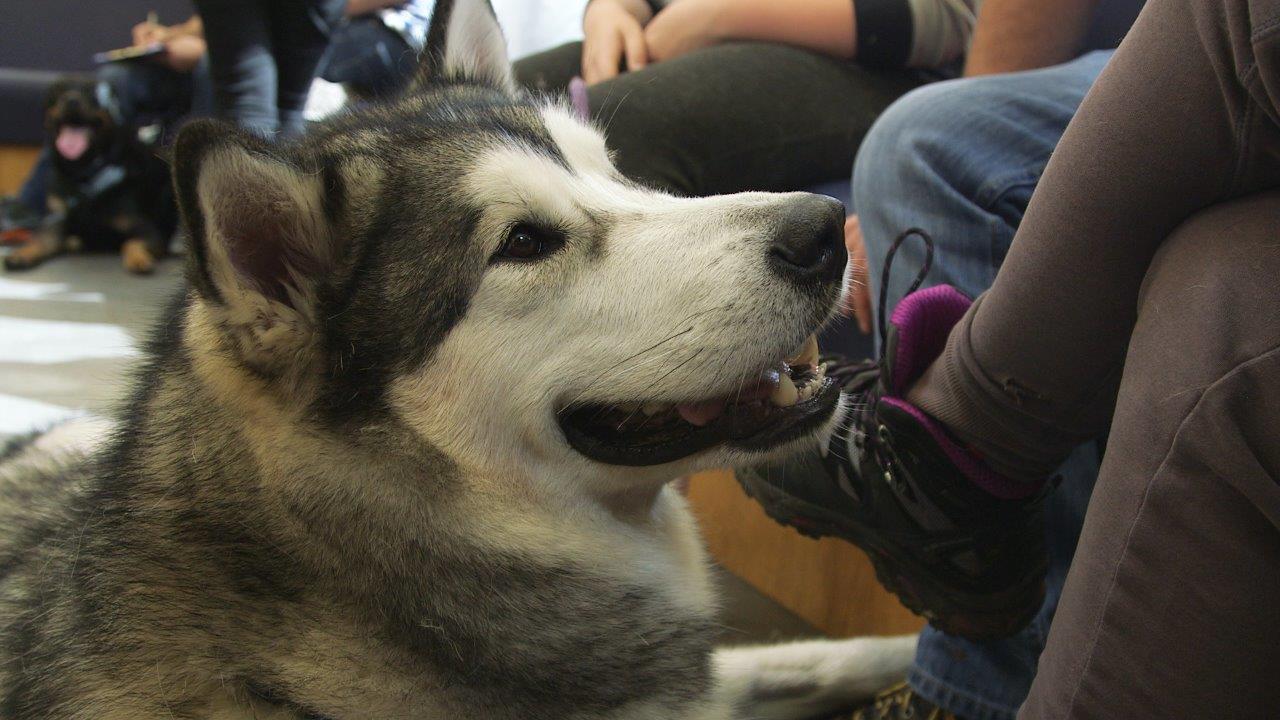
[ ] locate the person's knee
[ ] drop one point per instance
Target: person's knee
(1208, 296)
(904, 159)
(117, 75)
(1228, 247)
(652, 142)
(927, 138)
(549, 71)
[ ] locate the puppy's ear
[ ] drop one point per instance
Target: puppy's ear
(65, 83)
(56, 90)
(465, 44)
(261, 239)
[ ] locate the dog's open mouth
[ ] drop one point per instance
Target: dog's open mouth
(788, 401)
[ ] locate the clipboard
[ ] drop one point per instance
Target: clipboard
(133, 52)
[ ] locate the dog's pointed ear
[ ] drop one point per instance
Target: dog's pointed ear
(465, 44)
(260, 236)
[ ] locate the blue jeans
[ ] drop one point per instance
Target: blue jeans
(263, 56)
(369, 57)
(960, 160)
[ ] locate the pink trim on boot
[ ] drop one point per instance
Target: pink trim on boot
(969, 465)
(924, 320)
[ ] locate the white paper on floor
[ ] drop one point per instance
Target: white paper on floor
(26, 290)
(20, 415)
(52, 341)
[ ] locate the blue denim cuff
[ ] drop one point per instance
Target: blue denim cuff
(961, 703)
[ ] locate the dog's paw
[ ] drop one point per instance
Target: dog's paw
(26, 256)
(137, 258)
(811, 679)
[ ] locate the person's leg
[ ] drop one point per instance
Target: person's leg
(550, 70)
(300, 31)
(960, 159)
(1170, 609)
(34, 192)
(240, 63)
(1182, 117)
(148, 93)
(710, 122)
(202, 89)
(939, 464)
(369, 57)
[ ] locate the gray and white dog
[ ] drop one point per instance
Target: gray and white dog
(402, 448)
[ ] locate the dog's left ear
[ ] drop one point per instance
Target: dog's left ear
(465, 44)
(260, 234)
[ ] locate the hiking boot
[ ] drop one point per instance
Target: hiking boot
(900, 702)
(956, 542)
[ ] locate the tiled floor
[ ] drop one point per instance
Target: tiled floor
(70, 332)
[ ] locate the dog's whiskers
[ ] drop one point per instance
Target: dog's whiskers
(618, 369)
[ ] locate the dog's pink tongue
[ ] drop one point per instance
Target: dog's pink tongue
(72, 141)
(701, 413)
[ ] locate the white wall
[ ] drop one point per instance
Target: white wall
(533, 25)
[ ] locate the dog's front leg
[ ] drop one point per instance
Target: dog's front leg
(799, 680)
(46, 242)
(142, 245)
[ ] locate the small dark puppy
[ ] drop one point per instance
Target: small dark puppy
(107, 190)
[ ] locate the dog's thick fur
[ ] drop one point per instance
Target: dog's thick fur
(114, 196)
(340, 490)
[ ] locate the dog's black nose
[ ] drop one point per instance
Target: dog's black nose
(808, 241)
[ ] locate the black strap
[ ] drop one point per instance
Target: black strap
(885, 31)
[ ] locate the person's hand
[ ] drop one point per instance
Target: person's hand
(610, 31)
(147, 32)
(857, 301)
(183, 52)
(685, 26)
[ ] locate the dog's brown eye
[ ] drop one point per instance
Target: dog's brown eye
(527, 242)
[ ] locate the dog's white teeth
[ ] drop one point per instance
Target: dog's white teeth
(653, 408)
(785, 394)
(806, 354)
(813, 384)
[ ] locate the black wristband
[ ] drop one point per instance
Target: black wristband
(655, 6)
(885, 31)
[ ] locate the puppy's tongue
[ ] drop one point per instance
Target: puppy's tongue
(72, 141)
(701, 413)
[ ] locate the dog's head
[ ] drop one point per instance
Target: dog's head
(81, 118)
(467, 266)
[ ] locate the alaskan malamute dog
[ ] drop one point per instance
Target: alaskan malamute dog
(403, 446)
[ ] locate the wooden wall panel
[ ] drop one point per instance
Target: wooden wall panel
(827, 582)
(15, 163)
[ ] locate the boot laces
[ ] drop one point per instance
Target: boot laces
(859, 379)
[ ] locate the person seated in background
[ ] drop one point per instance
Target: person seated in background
(1133, 305)
(263, 55)
(701, 97)
(375, 52)
(960, 160)
(372, 54)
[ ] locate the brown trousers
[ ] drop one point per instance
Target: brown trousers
(1142, 292)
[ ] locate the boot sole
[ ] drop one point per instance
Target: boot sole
(947, 613)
